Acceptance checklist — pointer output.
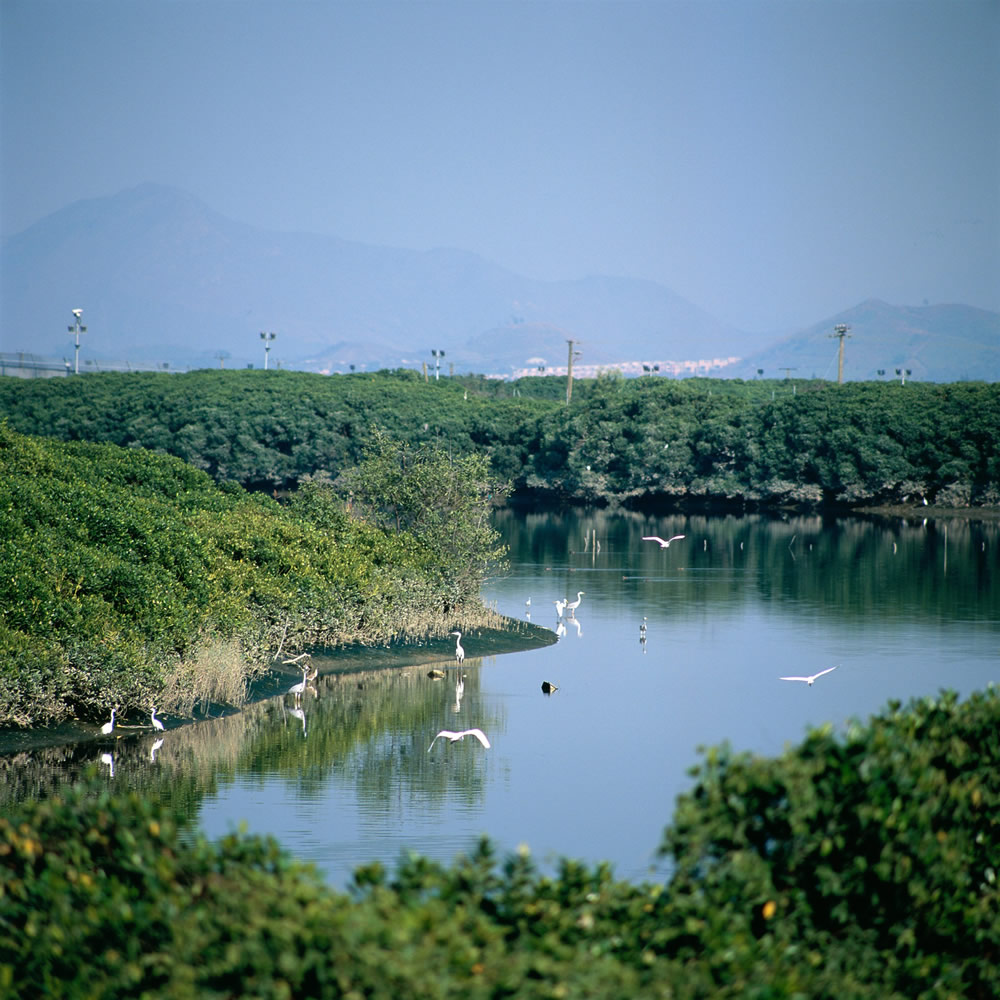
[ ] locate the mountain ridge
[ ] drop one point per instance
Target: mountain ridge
(161, 275)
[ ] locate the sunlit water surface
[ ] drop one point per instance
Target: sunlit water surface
(591, 771)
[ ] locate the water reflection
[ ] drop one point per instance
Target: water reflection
(683, 646)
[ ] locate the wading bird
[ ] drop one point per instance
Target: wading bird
(299, 689)
(809, 680)
(449, 735)
(664, 542)
(459, 651)
(108, 727)
(573, 605)
(156, 722)
(560, 607)
(642, 628)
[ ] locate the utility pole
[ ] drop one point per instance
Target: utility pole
(569, 372)
(77, 329)
(840, 330)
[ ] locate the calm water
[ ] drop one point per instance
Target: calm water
(592, 770)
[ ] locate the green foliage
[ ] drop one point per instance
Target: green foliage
(621, 440)
(863, 868)
(442, 501)
(120, 566)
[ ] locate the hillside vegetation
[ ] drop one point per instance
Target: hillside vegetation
(132, 579)
(861, 867)
(620, 440)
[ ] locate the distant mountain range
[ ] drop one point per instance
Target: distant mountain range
(161, 277)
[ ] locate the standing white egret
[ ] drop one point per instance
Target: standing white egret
(527, 603)
(156, 722)
(571, 606)
(642, 627)
(664, 542)
(459, 651)
(560, 607)
(450, 735)
(809, 680)
(299, 689)
(108, 727)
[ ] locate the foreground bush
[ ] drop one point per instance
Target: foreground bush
(859, 868)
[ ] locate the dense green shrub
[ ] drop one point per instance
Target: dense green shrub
(621, 440)
(120, 567)
(864, 867)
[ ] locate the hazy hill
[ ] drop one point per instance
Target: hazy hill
(161, 276)
(941, 343)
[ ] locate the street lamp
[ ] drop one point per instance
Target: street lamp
(267, 338)
(902, 373)
(77, 329)
(438, 355)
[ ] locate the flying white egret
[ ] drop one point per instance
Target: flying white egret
(459, 651)
(108, 727)
(573, 605)
(664, 542)
(809, 680)
(156, 722)
(299, 689)
(450, 735)
(156, 746)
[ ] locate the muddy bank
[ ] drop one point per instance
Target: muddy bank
(513, 637)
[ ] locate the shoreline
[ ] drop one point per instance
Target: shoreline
(516, 636)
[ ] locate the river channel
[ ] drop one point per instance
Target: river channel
(902, 607)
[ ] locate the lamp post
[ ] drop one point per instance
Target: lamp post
(438, 355)
(267, 338)
(77, 329)
(902, 373)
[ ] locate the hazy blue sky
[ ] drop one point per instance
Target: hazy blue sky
(773, 162)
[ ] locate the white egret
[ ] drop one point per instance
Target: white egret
(809, 680)
(459, 651)
(664, 542)
(527, 603)
(156, 746)
(156, 722)
(573, 605)
(642, 627)
(453, 736)
(299, 689)
(108, 727)
(560, 607)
